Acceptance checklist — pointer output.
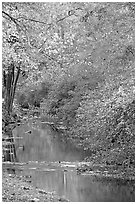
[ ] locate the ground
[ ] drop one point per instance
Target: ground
(16, 188)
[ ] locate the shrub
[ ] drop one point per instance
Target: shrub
(34, 97)
(66, 95)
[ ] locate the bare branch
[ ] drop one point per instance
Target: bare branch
(11, 18)
(67, 16)
(34, 20)
(53, 59)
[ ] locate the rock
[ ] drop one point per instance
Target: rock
(10, 175)
(28, 176)
(28, 181)
(62, 200)
(29, 131)
(34, 200)
(42, 191)
(26, 188)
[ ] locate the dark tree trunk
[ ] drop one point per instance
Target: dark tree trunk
(9, 83)
(9, 150)
(10, 88)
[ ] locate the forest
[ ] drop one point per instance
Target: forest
(72, 64)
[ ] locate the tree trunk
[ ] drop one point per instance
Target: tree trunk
(10, 86)
(10, 83)
(9, 150)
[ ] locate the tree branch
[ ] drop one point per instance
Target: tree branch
(11, 18)
(30, 19)
(15, 83)
(53, 59)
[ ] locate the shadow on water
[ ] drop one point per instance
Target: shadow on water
(44, 144)
(83, 188)
(46, 148)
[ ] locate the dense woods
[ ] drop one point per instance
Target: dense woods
(73, 64)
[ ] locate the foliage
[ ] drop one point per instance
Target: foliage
(33, 97)
(66, 95)
(102, 116)
(95, 128)
(76, 61)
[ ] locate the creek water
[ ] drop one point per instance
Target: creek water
(51, 161)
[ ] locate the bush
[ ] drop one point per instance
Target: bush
(105, 120)
(64, 101)
(34, 97)
(66, 95)
(22, 100)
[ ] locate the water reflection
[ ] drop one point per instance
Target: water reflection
(45, 145)
(82, 188)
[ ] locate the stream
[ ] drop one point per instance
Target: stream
(49, 160)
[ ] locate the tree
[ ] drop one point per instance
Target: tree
(83, 41)
(24, 42)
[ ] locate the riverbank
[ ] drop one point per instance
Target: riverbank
(110, 142)
(16, 188)
(110, 172)
(97, 185)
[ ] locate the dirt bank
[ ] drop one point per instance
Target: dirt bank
(16, 188)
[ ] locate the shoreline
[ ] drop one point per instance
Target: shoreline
(16, 188)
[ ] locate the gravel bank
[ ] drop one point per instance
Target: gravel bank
(18, 189)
